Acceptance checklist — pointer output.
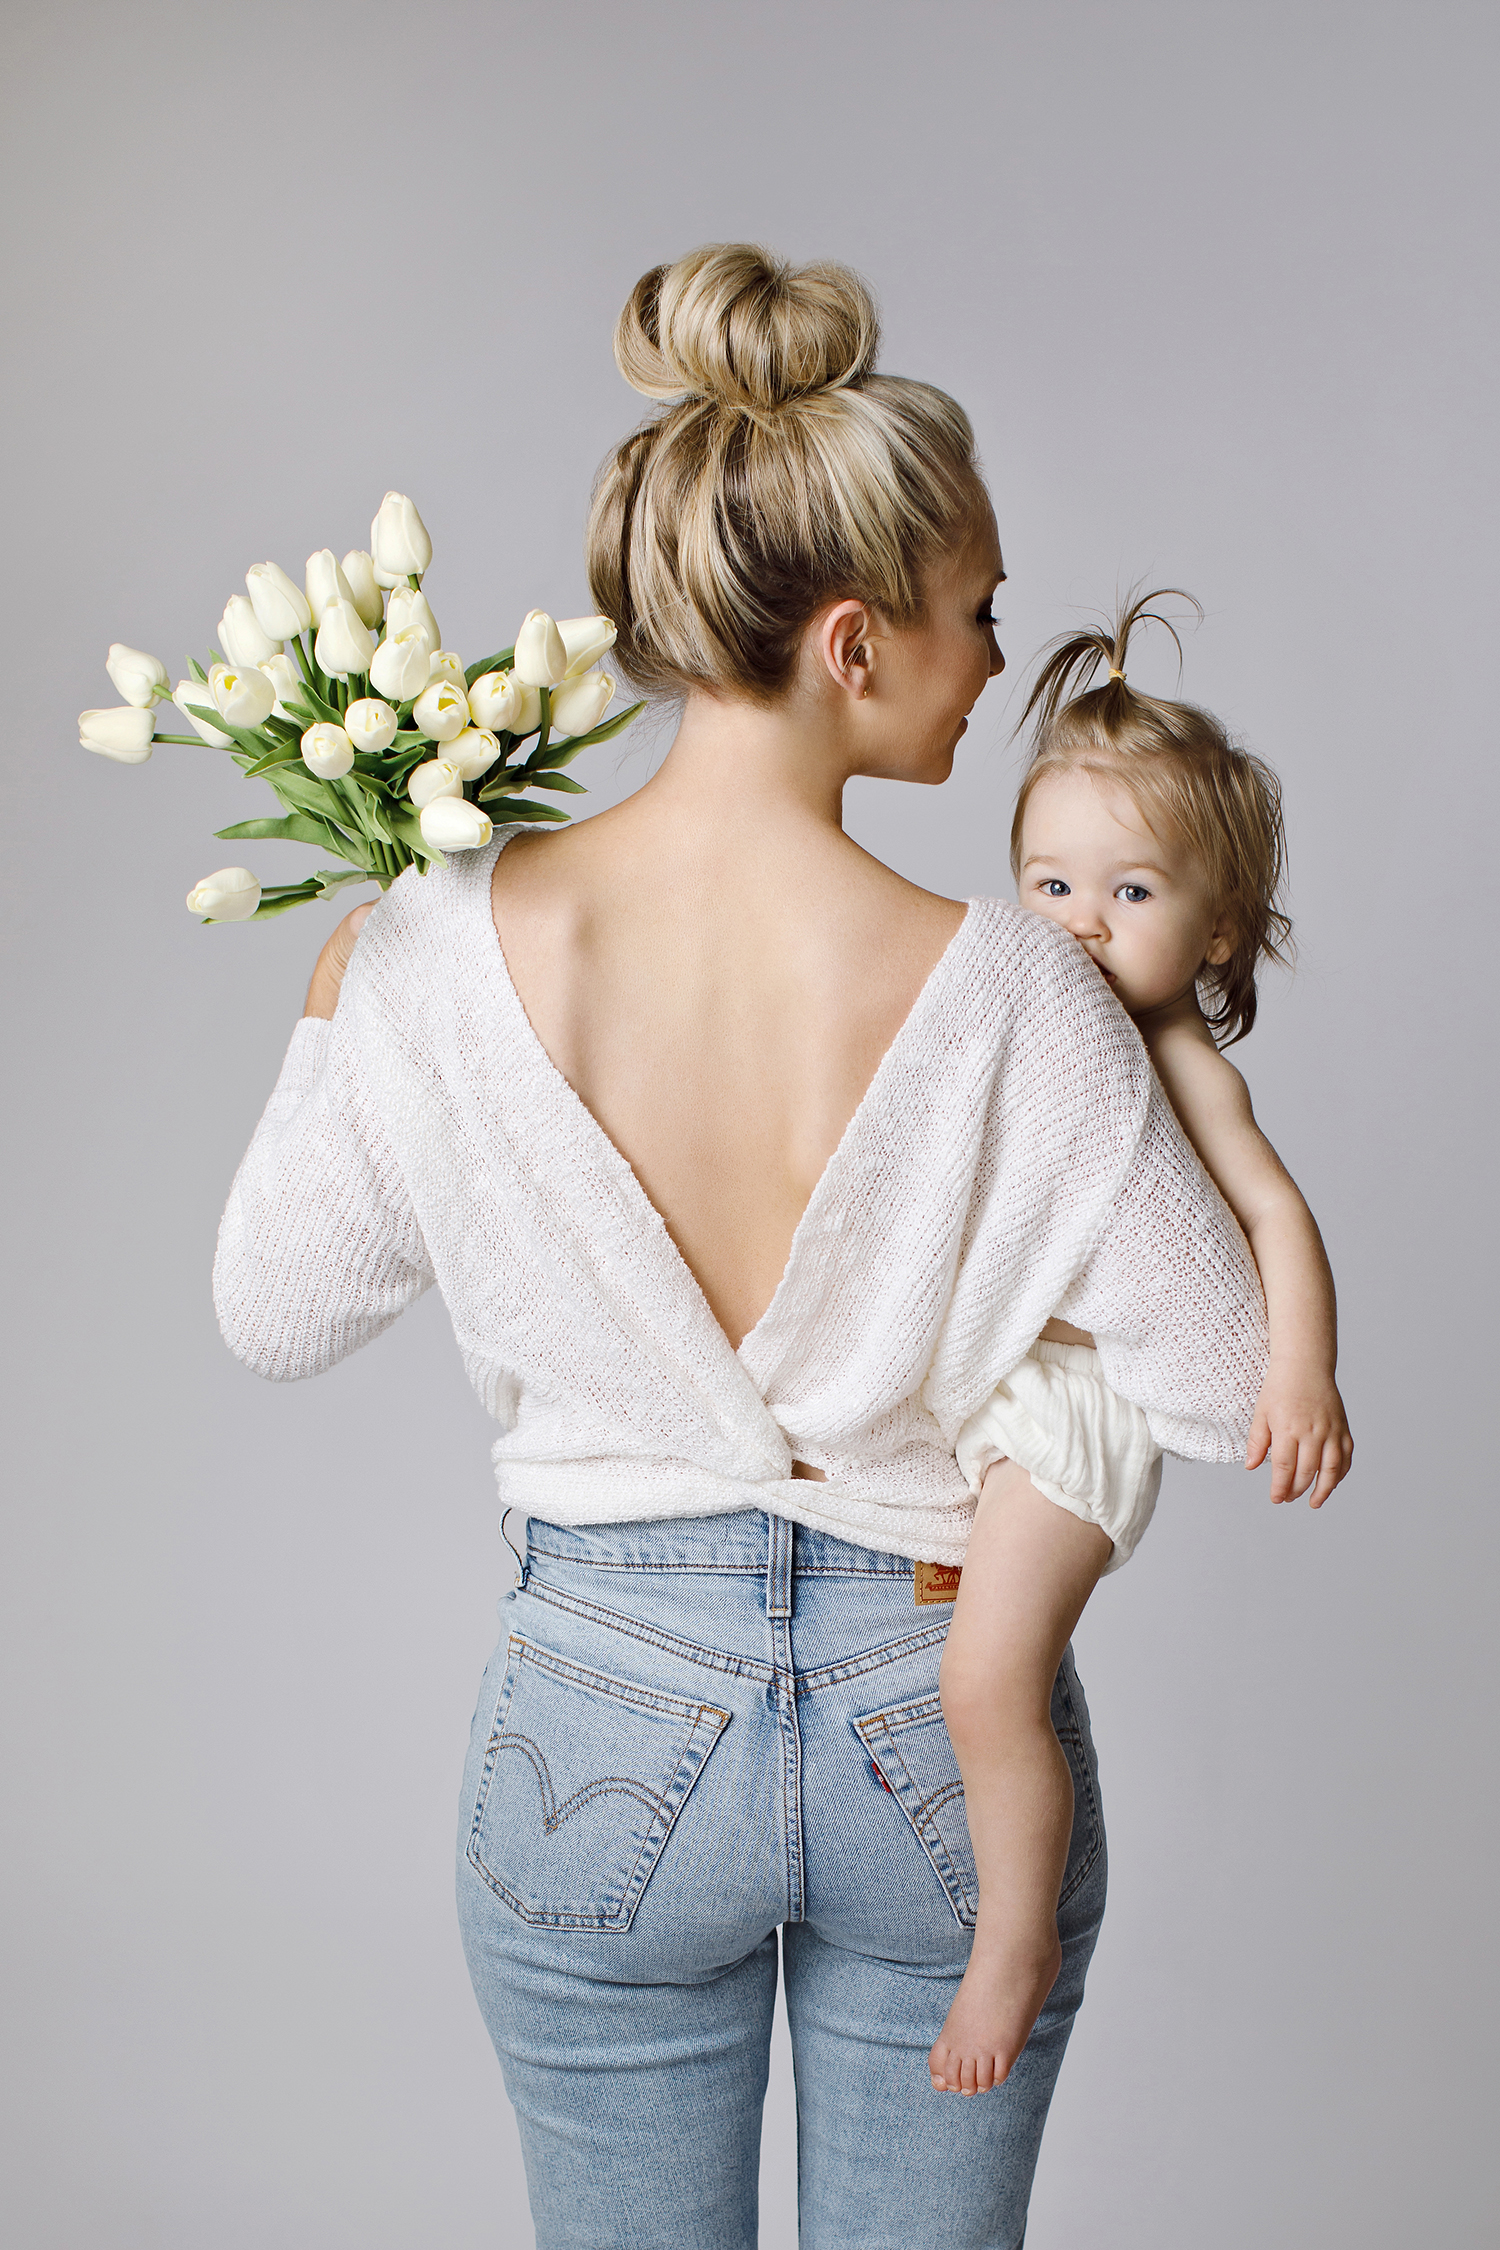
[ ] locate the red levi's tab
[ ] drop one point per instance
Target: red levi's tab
(935, 1582)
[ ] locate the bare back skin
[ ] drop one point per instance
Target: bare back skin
(719, 998)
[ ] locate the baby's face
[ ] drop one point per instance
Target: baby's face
(1138, 904)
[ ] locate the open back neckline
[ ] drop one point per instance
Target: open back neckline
(825, 1188)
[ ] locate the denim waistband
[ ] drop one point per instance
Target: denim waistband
(745, 1545)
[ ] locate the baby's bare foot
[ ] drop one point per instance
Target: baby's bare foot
(993, 2011)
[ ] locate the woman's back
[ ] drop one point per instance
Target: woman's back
(719, 993)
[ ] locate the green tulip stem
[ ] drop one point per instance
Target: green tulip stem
(303, 665)
(193, 741)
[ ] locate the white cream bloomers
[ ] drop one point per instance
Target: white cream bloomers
(1013, 1158)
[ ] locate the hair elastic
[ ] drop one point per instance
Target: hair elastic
(1115, 673)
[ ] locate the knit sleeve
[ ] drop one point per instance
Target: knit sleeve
(1172, 1296)
(319, 1247)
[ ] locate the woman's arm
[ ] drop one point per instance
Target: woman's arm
(1299, 1416)
(319, 1247)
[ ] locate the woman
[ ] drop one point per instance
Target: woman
(747, 1169)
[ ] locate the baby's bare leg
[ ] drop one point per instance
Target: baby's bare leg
(1029, 1570)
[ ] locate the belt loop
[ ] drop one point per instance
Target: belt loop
(779, 1544)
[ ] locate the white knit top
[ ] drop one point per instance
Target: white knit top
(1013, 1158)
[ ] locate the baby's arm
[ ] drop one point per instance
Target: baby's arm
(1299, 1417)
(1029, 1570)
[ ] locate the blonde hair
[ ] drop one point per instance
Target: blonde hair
(780, 473)
(1186, 778)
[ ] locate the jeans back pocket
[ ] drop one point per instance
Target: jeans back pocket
(910, 1749)
(584, 1776)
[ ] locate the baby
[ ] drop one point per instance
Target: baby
(1146, 833)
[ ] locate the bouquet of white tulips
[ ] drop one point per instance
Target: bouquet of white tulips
(382, 747)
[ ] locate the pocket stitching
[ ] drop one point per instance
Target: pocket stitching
(520, 1651)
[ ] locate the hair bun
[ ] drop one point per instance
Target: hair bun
(732, 323)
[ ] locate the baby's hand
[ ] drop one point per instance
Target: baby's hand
(1300, 1422)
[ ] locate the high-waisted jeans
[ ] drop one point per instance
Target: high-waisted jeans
(691, 1733)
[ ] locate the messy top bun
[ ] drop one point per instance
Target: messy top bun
(780, 473)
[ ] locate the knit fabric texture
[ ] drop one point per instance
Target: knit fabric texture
(1013, 1158)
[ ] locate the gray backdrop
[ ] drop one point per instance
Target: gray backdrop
(1208, 278)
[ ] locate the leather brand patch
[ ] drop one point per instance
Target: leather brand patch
(935, 1582)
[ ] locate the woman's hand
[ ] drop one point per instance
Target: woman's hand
(328, 976)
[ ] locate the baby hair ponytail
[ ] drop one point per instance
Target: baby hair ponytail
(1186, 779)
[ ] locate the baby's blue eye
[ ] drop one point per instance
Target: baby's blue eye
(1133, 893)
(1055, 887)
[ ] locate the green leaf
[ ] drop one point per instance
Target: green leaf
(330, 881)
(522, 808)
(196, 671)
(295, 828)
(562, 783)
(314, 709)
(270, 906)
(498, 663)
(280, 756)
(600, 733)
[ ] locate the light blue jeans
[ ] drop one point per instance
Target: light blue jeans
(693, 1732)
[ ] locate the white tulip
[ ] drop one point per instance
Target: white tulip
(281, 608)
(398, 542)
(370, 725)
(439, 777)
(285, 679)
(541, 659)
(345, 643)
(497, 699)
(197, 691)
(531, 708)
(410, 611)
(586, 639)
(327, 751)
(139, 677)
(473, 752)
(441, 710)
(232, 895)
(359, 572)
(401, 666)
(325, 583)
(124, 733)
(447, 666)
(244, 698)
(580, 704)
(240, 635)
(452, 824)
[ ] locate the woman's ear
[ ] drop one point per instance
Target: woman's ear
(845, 645)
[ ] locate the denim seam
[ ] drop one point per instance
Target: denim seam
(872, 1660)
(709, 1569)
(714, 1660)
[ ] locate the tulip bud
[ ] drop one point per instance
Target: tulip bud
(240, 636)
(439, 777)
(197, 691)
(327, 751)
(441, 710)
(325, 583)
(452, 824)
(344, 644)
(370, 725)
(530, 716)
(281, 608)
(401, 665)
(285, 679)
(359, 575)
(230, 896)
(473, 752)
(541, 659)
(410, 611)
(586, 639)
(398, 542)
(243, 698)
(447, 666)
(580, 704)
(497, 699)
(124, 733)
(139, 677)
